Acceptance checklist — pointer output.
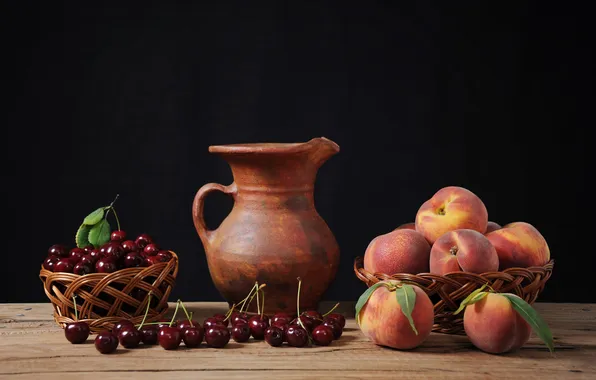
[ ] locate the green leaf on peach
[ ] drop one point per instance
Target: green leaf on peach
(531, 316)
(406, 297)
(364, 299)
(472, 298)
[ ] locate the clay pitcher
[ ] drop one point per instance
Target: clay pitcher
(273, 234)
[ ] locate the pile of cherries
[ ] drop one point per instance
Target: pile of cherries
(114, 255)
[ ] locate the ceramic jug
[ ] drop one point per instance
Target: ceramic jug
(273, 234)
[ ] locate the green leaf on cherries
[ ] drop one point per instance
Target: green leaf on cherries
(100, 233)
(531, 316)
(364, 299)
(95, 217)
(472, 298)
(82, 236)
(406, 298)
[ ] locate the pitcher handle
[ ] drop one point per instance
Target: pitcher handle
(199, 205)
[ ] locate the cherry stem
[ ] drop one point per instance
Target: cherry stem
(229, 313)
(186, 312)
(258, 304)
(245, 299)
(330, 311)
(111, 207)
(116, 216)
(253, 296)
(298, 306)
(74, 301)
(146, 309)
(263, 306)
(175, 312)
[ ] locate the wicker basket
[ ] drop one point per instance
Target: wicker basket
(446, 292)
(105, 298)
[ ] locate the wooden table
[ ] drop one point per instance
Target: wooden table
(33, 346)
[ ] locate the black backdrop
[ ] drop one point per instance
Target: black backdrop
(419, 96)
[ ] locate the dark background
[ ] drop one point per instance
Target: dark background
(113, 100)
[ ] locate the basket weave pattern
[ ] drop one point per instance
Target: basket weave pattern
(105, 298)
(449, 290)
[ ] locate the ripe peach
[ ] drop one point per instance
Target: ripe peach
(399, 251)
(519, 244)
(384, 323)
(451, 208)
(494, 326)
(407, 226)
(463, 250)
(492, 226)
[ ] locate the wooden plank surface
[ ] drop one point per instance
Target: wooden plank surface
(33, 346)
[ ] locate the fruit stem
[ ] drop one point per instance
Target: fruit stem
(253, 296)
(229, 313)
(263, 306)
(146, 309)
(175, 312)
(116, 216)
(258, 304)
(330, 311)
(186, 312)
(298, 298)
(74, 301)
(247, 297)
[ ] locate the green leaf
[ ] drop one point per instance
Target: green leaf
(533, 318)
(82, 236)
(100, 233)
(406, 297)
(364, 299)
(472, 298)
(95, 217)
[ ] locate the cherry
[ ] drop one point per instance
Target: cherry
(106, 265)
(169, 337)
(133, 259)
(183, 325)
(217, 336)
(129, 246)
(285, 318)
(149, 334)
(193, 336)
(241, 332)
(274, 336)
(222, 319)
(341, 320)
(281, 325)
(322, 335)
(76, 332)
(257, 327)
(239, 317)
(118, 236)
(151, 249)
(306, 321)
(296, 336)
(151, 260)
(120, 325)
(58, 250)
(112, 250)
(313, 314)
(82, 269)
(76, 254)
(211, 321)
(166, 324)
(50, 262)
(106, 342)
(95, 254)
(164, 256)
(63, 265)
(88, 248)
(129, 337)
(332, 323)
(88, 259)
(142, 240)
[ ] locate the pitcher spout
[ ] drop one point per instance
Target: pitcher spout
(321, 150)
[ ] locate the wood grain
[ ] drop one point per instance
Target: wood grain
(33, 346)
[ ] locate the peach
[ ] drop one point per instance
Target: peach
(383, 322)
(451, 208)
(407, 226)
(463, 250)
(494, 326)
(492, 226)
(399, 251)
(519, 244)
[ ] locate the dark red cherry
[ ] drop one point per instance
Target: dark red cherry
(335, 327)
(151, 260)
(193, 336)
(149, 334)
(169, 337)
(106, 342)
(222, 318)
(76, 332)
(183, 324)
(313, 314)
(95, 254)
(88, 248)
(164, 256)
(58, 250)
(106, 265)
(283, 318)
(282, 326)
(306, 321)
(142, 240)
(341, 320)
(296, 336)
(132, 260)
(238, 318)
(322, 335)
(118, 236)
(211, 321)
(166, 324)
(89, 260)
(151, 249)
(129, 337)
(217, 336)
(241, 332)
(63, 265)
(112, 250)
(274, 336)
(120, 325)
(50, 262)
(129, 246)
(257, 327)
(76, 254)
(82, 269)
